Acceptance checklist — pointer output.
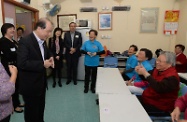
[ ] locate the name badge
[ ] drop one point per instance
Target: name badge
(76, 36)
(13, 49)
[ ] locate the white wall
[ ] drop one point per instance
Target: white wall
(126, 25)
(182, 30)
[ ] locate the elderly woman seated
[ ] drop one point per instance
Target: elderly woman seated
(163, 87)
(138, 85)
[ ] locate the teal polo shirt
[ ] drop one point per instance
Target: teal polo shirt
(92, 47)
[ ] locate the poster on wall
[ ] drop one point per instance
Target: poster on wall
(9, 20)
(171, 22)
(149, 20)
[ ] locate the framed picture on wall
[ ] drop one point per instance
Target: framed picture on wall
(149, 20)
(64, 20)
(105, 21)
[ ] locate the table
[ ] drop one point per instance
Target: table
(121, 108)
(110, 81)
(183, 75)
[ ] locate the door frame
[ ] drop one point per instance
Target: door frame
(15, 3)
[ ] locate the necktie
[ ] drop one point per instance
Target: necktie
(72, 38)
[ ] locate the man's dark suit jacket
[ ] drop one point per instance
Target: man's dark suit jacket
(77, 43)
(31, 68)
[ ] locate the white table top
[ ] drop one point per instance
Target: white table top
(183, 75)
(121, 108)
(110, 81)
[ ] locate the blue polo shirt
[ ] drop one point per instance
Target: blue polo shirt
(132, 62)
(92, 47)
(147, 66)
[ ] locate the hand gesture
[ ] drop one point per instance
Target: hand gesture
(52, 62)
(93, 54)
(57, 57)
(13, 70)
(175, 115)
(89, 53)
(129, 83)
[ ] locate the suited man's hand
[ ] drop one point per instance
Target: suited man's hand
(52, 62)
(72, 50)
(57, 57)
(47, 63)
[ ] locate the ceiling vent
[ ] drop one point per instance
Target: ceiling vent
(121, 8)
(88, 9)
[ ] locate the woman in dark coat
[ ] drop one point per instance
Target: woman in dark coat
(8, 48)
(56, 45)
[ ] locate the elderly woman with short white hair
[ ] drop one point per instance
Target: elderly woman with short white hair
(163, 87)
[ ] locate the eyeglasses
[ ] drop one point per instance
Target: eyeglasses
(159, 61)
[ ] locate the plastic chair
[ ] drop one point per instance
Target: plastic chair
(111, 62)
(152, 62)
(183, 89)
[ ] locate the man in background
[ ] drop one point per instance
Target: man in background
(33, 58)
(20, 32)
(73, 42)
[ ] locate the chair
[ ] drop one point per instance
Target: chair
(167, 118)
(152, 62)
(183, 89)
(110, 61)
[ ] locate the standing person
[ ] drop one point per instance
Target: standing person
(32, 59)
(92, 49)
(56, 45)
(7, 88)
(73, 42)
(181, 61)
(8, 49)
(20, 32)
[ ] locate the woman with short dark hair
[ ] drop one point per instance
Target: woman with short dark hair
(92, 49)
(8, 49)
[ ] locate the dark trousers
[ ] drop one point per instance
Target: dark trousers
(72, 64)
(57, 70)
(34, 108)
(90, 71)
(15, 96)
(7, 119)
(152, 110)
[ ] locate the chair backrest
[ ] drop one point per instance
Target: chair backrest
(152, 62)
(110, 61)
(183, 89)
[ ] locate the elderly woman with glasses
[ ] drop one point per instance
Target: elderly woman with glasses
(163, 87)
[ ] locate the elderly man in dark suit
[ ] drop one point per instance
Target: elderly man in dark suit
(73, 42)
(33, 58)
